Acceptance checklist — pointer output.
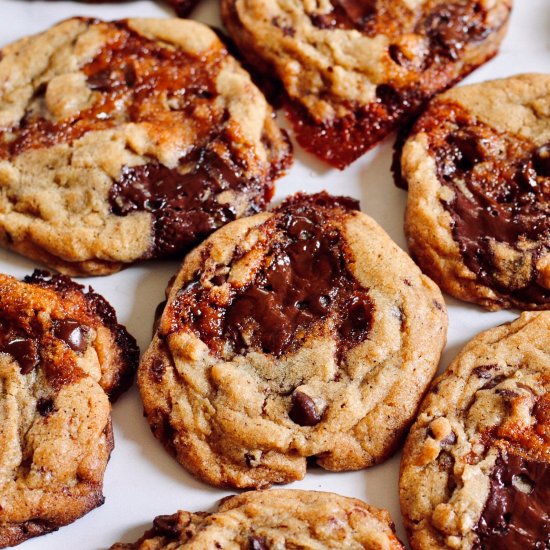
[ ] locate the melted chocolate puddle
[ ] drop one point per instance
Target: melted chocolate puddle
(517, 513)
(184, 206)
(502, 195)
(305, 280)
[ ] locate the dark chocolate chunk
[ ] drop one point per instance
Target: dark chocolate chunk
(485, 371)
(45, 406)
(517, 513)
(184, 205)
(541, 161)
(72, 333)
(304, 411)
(167, 526)
(24, 351)
(451, 26)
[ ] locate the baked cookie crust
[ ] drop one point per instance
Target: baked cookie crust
(62, 357)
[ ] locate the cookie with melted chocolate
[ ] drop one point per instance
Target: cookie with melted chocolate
(63, 356)
(128, 140)
(355, 70)
(475, 472)
(261, 520)
(291, 335)
(477, 165)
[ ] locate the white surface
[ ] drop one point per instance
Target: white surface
(142, 481)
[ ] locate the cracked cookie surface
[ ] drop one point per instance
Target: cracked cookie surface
(260, 520)
(475, 470)
(304, 332)
(477, 165)
(62, 356)
(128, 140)
(354, 71)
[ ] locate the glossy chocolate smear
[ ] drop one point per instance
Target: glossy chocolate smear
(305, 280)
(184, 204)
(24, 351)
(501, 195)
(517, 513)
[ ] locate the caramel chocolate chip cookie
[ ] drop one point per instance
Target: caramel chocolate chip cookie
(477, 164)
(62, 356)
(355, 70)
(300, 333)
(259, 520)
(475, 471)
(128, 140)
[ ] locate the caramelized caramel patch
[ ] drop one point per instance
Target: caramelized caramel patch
(134, 79)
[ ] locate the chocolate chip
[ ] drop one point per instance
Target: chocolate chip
(44, 406)
(485, 371)
(304, 411)
(507, 394)
(494, 382)
(167, 525)
(157, 369)
(253, 459)
(72, 333)
(257, 543)
(25, 352)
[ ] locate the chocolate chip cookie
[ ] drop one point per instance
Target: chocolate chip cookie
(300, 333)
(258, 520)
(475, 471)
(477, 164)
(355, 70)
(62, 356)
(128, 140)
